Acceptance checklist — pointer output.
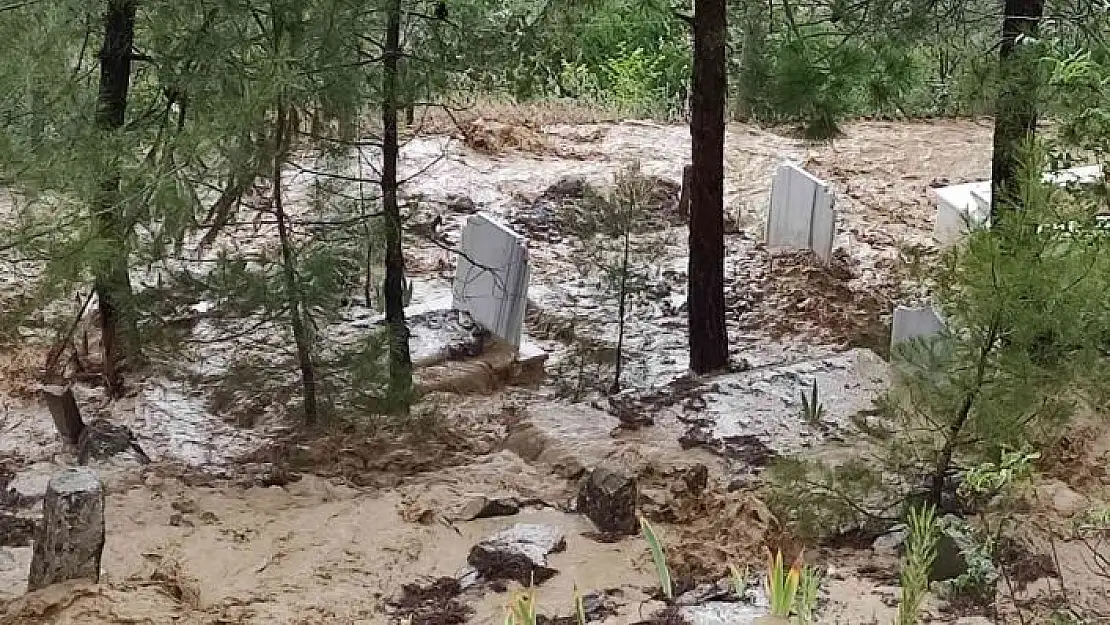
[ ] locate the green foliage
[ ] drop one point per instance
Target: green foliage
(659, 557)
(782, 584)
(977, 548)
(579, 606)
(820, 499)
(990, 479)
(809, 589)
(522, 608)
(739, 580)
(1027, 325)
(813, 411)
(917, 562)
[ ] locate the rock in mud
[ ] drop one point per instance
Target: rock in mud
(950, 561)
(69, 543)
(518, 553)
(461, 204)
(482, 507)
(101, 440)
(705, 592)
(721, 613)
(609, 499)
(15, 530)
(892, 542)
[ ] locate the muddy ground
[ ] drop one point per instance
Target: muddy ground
(239, 519)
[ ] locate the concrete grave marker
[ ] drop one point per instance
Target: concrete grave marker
(960, 208)
(801, 215)
(913, 322)
(963, 207)
(491, 279)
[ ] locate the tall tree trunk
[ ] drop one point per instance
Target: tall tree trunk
(112, 282)
(1015, 119)
(752, 47)
(706, 297)
(400, 363)
(289, 268)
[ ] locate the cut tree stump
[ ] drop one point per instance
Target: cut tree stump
(63, 407)
(70, 540)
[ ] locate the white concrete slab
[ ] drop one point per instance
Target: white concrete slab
(914, 322)
(823, 226)
(491, 277)
(802, 213)
(962, 207)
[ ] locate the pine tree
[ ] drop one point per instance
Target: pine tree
(118, 318)
(1027, 325)
(1015, 120)
(400, 364)
(706, 292)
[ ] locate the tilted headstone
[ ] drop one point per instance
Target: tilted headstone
(63, 408)
(491, 278)
(802, 213)
(70, 540)
(913, 322)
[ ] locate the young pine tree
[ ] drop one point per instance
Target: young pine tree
(1028, 325)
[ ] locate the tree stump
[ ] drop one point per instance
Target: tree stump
(70, 540)
(63, 407)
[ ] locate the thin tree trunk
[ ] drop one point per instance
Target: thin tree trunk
(1015, 120)
(952, 439)
(706, 297)
(623, 295)
(400, 363)
(112, 282)
(289, 267)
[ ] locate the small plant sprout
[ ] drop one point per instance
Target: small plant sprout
(579, 606)
(782, 585)
(808, 591)
(659, 558)
(918, 559)
(813, 411)
(522, 608)
(739, 580)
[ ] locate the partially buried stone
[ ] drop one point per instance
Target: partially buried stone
(482, 507)
(70, 540)
(518, 553)
(608, 498)
(101, 440)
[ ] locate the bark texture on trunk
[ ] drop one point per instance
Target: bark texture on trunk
(118, 318)
(706, 297)
(1015, 119)
(289, 268)
(400, 362)
(70, 540)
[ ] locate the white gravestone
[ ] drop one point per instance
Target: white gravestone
(913, 322)
(963, 207)
(801, 215)
(491, 279)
